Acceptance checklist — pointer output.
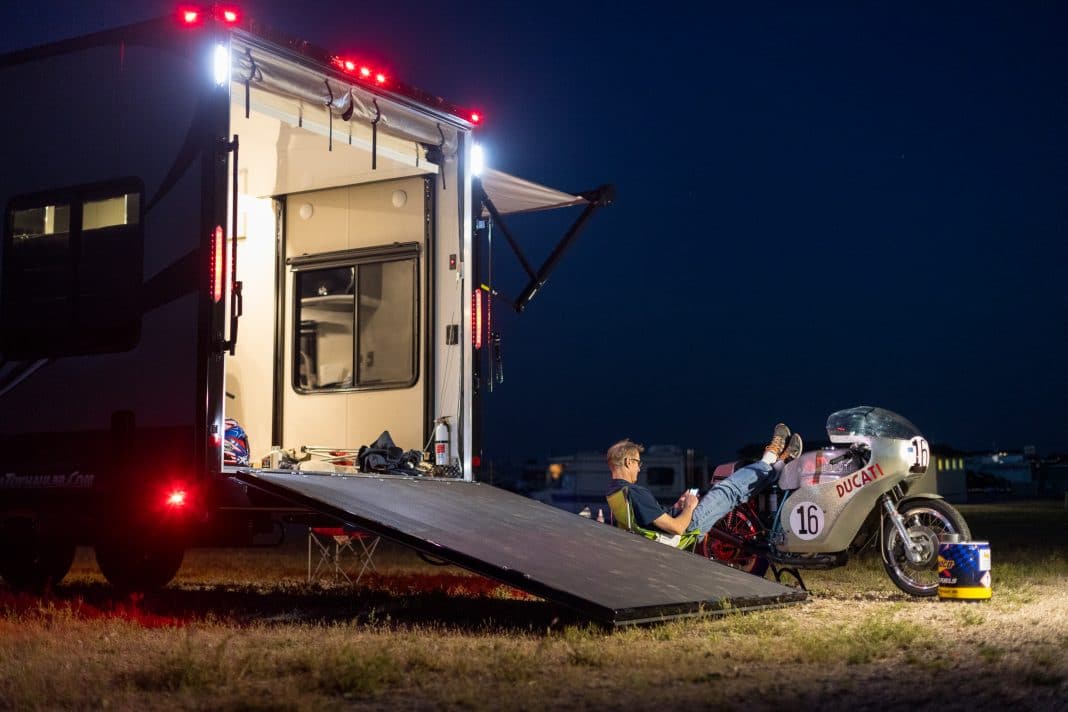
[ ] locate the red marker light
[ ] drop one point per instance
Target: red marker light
(176, 498)
(380, 78)
(350, 66)
(476, 318)
(229, 16)
(218, 259)
(365, 72)
(476, 117)
(190, 17)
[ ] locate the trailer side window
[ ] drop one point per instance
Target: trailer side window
(72, 271)
(660, 476)
(358, 322)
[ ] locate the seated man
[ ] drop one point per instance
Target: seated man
(696, 515)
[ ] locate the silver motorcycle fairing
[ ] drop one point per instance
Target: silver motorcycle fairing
(825, 512)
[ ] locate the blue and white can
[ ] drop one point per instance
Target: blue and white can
(964, 570)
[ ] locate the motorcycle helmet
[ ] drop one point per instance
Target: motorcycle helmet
(235, 444)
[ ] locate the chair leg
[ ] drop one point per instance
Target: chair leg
(368, 556)
(326, 556)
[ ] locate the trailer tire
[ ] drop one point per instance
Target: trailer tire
(142, 565)
(32, 560)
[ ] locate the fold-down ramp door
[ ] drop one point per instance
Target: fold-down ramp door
(602, 572)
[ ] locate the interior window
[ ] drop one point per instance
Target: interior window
(357, 324)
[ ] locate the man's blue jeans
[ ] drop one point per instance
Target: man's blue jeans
(729, 493)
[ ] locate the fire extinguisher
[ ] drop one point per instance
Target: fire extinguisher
(442, 456)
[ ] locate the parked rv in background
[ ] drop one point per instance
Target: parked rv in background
(575, 482)
(182, 177)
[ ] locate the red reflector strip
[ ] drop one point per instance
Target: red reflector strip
(218, 257)
(476, 318)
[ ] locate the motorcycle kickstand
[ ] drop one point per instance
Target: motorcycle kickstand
(792, 571)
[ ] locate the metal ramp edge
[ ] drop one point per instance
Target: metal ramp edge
(601, 572)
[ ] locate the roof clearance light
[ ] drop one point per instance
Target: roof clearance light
(476, 117)
(229, 16)
(380, 78)
(176, 498)
(349, 65)
(365, 72)
(478, 159)
(190, 17)
(222, 64)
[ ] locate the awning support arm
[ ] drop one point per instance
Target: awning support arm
(597, 198)
(498, 220)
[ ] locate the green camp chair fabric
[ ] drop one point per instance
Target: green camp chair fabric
(623, 514)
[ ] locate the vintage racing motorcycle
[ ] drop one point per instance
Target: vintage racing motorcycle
(836, 501)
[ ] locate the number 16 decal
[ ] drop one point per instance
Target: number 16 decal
(921, 454)
(806, 520)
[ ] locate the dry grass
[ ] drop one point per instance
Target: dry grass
(241, 630)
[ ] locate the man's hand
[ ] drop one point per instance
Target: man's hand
(686, 501)
(680, 522)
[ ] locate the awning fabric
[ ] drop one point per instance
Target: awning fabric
(512, 195)
(268, 70)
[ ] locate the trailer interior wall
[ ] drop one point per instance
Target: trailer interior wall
(334, 200)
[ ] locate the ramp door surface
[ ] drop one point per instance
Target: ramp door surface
(603, 572)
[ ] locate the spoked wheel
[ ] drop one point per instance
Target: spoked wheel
(740, 524)
(916, 571)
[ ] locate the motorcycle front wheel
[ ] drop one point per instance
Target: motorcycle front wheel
(925, 521)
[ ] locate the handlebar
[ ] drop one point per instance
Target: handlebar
(854, 449)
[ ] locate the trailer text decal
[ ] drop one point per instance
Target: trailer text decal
(75, 479)
(858, 479)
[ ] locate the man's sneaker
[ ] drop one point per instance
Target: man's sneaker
(778, 440)
(792, 449)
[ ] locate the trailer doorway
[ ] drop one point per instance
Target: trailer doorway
(335, 236)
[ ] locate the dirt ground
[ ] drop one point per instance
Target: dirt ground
(242, 629)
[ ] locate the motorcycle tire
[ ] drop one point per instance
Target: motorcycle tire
(925, 520)
(742, 525)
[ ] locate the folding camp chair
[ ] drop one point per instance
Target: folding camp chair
(623, 515)
(341, 550)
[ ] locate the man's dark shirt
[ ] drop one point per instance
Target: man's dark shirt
(645, 506)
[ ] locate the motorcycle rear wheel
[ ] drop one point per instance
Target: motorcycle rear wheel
(925, 520)
(740, 524)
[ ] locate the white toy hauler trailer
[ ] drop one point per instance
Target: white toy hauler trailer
(169, 181)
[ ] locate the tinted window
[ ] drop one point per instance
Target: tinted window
(660, 476)
(72, 271)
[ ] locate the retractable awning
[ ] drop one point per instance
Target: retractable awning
(512, 195)
(502, 194)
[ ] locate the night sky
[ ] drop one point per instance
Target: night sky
(820, 205)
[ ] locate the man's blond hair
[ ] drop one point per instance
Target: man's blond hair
(621, 451)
